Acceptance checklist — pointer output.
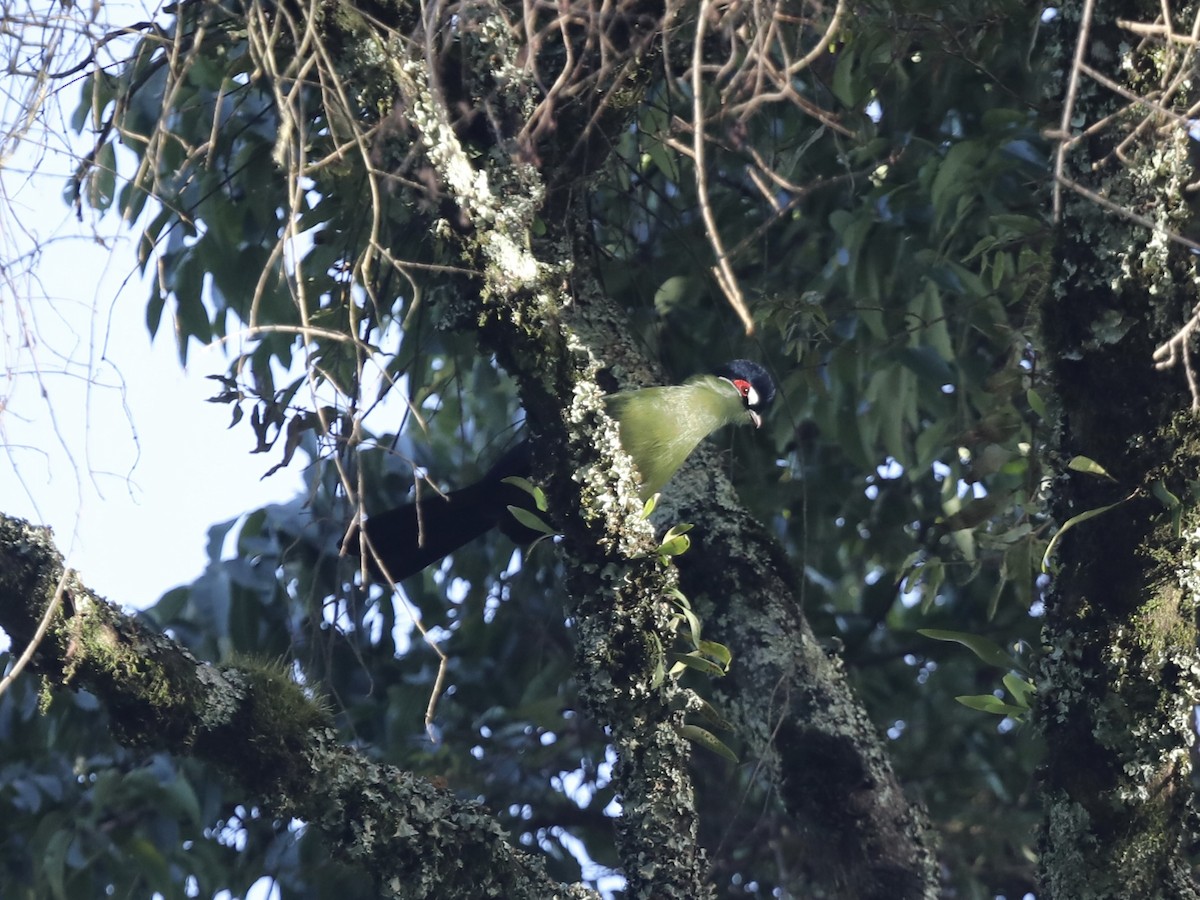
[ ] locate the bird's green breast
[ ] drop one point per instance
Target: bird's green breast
(661, 426)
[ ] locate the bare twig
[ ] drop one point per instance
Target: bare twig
(722, 271)
(1155, 30)
(1176, 349)
(822, 45)
(1060, 157)
(1126, 213)
(38, 635)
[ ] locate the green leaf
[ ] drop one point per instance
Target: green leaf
(994, 600)
(844, 87)
(936, 328)
(985, 243)
(930, 443)
(1018, 224)
(985, 648)
(648, 506)
(102, 179)
(80, 115)
(191, 317)
(927, 363)
(664, 159)
(1036, 403)
(932, 574)
(1002, 270)
(660, 671)
(1020, 688)
(169, 606)
(676, 546)
(531, 521)
(1071, 523)
(538, 495)
(676, 530)
(954, 176)
(671, 293)
(679, 597)
(989, 703)
(1089, 467)
(1160, 490)
(154, 310)
(132, 201)
(150, 237)
(964, 538)
(54, 861)
(700, 663)
(970, 282)
(675, 541)
(706, 711)
(693, 624)
(719, 652)
(706, 739)
(150, 859)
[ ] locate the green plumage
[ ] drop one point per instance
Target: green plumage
(661, 426)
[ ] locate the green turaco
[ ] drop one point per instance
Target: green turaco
(659, 428)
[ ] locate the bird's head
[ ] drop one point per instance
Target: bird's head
(756, 387)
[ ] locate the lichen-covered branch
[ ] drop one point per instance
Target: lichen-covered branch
(1121, 677)
(261, 730)
(788, 702)
(790, 705)
(620, 607)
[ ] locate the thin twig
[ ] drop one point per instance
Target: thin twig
(38, 635)
(723, 271)
(826, 39)
(1125, 213)
(1060, 157)
(1107, 82)
(1169, 354)
(1146, 29)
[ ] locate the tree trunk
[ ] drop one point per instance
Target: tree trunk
(1122, 676)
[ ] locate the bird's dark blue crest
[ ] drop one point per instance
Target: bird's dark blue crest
(746, 370)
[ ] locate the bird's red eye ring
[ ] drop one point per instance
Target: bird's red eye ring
(742, 386)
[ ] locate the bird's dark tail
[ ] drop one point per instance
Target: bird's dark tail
(408, 538)
(405, 540)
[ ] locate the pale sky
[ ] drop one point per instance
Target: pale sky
(103, 436)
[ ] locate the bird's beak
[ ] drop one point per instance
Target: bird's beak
(755, 418)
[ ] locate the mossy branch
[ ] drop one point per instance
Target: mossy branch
(262, 730)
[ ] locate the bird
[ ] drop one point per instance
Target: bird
(659, 427)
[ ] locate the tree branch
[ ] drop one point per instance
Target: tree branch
(261, 730)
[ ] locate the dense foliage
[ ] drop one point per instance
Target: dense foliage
(888, 225)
